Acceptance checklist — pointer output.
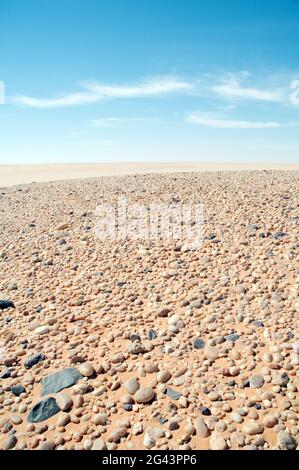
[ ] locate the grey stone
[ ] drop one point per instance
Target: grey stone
(33, 360)
(233, 337)
(56, 382)
(279, 235)
(152, 335)
(10, 442)
(18, 389)
(5, 374)
(173, 394)
(4, 304)
(286, 441)
(256, 381)
(43, 410)
(199, 343)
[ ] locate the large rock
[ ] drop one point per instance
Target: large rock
(56, 382)
(43, 410)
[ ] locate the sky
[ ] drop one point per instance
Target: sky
(149, 80)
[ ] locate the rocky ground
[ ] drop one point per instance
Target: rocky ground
(128, 344)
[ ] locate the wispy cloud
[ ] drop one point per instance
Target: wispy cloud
(208, 121)
(231, 87)
(116, 122)
(94, 92)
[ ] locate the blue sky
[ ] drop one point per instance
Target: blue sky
(149, 80)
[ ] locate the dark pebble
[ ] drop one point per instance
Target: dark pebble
(4, 304)
(152, 335)
(18, 389)
(205, 411)
(199, 343)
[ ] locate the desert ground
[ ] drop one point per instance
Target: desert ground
(149, 344)
(24, 174)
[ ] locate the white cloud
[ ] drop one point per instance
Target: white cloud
(206, 121)
(115, 122)
(230, 87)
(95, 92)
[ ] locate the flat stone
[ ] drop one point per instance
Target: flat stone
(33, 360)
(217, 442)
(132, 385)
(56, 382)
(10, 442)
(144, 395)
(173, 394)
(4, 304)
(99, 444)
(86, 369)
(43, 410)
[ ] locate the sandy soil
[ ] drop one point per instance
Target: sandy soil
(23, 174)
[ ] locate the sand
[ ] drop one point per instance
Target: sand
(177, 348)
(24, 174)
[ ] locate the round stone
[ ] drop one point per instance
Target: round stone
(252, 427)
(144, 395)
(163, 376)
(86, 369)
(132, 385)
(270, 421)
(256, 381)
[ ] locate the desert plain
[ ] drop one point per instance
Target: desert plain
(146, 344)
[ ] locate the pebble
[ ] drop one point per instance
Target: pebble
(286, 441)
(64, 401)
(43, 410)
(217, 441)
(34, 359)
(256, 381)
(132, 385)
(144, 395)
(163, 376)
(202, 430)
(56, 382)
(86, 369)
(252, 427)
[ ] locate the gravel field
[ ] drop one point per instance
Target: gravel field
(132, 344)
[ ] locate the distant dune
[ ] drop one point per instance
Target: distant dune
(22, 174)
